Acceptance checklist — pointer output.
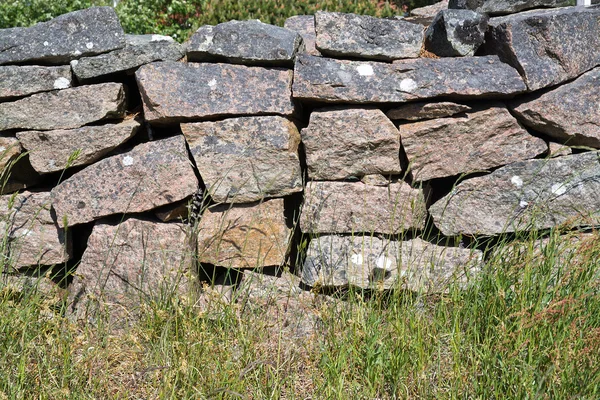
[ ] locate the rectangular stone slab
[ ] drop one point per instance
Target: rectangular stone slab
(305, 26)
(128, 265)
(52, 151)
(150, 175)
(33, 236)
(140, 50)
(372, 263)
(19, 81)
(458, 145)
(64, 109)
(534, 194)
(81, 33)
(177, 92)
(352, 207)
(244, 236)
(341, 81)
(246, 159)
(350, 142)
(545, 46)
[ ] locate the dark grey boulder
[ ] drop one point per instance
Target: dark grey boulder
(534, 194)
(501, 7)
(341, 81)
(548, 47)
(18, 81)
(569, 113)
(305, 26)
(363, 36)
(140, 50)
(70, 36)
(245, 42)
(456, 33)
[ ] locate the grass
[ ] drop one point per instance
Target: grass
(529, 327)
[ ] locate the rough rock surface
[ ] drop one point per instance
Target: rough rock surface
(372, 263)
(352, 207)
(363, 36)
(429, 11)
(51, 151)
(9, 151)
(424, 110)
(569, 113)
(534, 194)
(340, 81)
(305, 26)
(499, 7)
(171, 91)
(18, 81)
(456, 33)
(64, 109)
(543, 45)
(140, 50)
(33, 236)
(245, 42)
(246, 159)
(476, 141)
(244, 236)
(557, 149)
(128, 265)
(148, 176)
(343, 143)
(67, 37)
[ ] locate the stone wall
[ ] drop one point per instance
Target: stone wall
(353, 150)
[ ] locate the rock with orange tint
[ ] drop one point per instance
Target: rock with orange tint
(244, 236)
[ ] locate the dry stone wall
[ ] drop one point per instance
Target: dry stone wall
(356, 151)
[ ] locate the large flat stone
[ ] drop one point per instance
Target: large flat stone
(363, 36)
(244, 42)
(33, 237)
(64, 109)
(140, 50)
(246, 159)
(340, 81)
(569, 113)
(500, 7)
(534, 194)
(343, 143)
(456, 33)
(424, 110)
(177, 92)
(544, 46)
(348, 207)
(476, 141)
(19, 81)
(128, 266)
(148, 176)
(52, 151)
(244, 236)
(77, 34)
(372, 263)
(305, 26)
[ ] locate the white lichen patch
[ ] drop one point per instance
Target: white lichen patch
(74, 63)
(365, 70)
(2, 149)
(46, 44)
(523, 204)
(408, 85)
(517, 181)
(345, 77)
(161, 38)
(76, 53)
(558, 189)
(89, 45)
(357, 259)
(62, 83)
(384, 263)
(212, 83)
(127, 161)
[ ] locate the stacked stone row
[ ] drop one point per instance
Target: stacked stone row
(223, 124)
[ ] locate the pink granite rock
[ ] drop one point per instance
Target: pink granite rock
(244, 236)
(347, 207)
(148, 176)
